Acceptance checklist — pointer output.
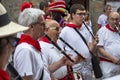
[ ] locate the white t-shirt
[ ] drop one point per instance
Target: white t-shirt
(111, 42)
(102, 20)
(29, 61)
(53, 55)
(72, 38)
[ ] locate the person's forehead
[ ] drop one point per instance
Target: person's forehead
(114, 15)
(54, 24)
(80, 11)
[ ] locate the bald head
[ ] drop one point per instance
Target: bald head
(114, 14)
(113, 19)
(52, 29)
(51, 23)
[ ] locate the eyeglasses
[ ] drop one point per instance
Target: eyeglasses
(81, 14)
(116, 19)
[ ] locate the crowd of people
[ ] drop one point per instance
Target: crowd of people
(51, 43)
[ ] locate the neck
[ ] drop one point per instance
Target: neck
(74, 22)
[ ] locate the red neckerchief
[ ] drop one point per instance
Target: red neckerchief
(4, 75)
(44, 39)
(29, 40)
(73, 25)
(111, 29)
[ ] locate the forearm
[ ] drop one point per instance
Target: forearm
(108, 55)
(27, 78)
(92, 47)
(53, 67)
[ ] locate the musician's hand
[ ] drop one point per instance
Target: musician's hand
(96, 40)
(65, 61)
(117, 62)
(93, 44)
(78, 59)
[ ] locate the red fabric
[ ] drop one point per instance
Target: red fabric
(44, 39)
(4, 75)
(47, 17)
(73, 25)
(70, 75)
(104, 59)
(111, 29)
(57, 4)
(25, 5)
(29, 40)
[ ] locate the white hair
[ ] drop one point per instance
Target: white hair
(29, 16)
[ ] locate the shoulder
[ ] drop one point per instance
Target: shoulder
(102, 30)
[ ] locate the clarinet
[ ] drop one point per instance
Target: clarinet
(95, 63)
(117, 29)
(58, 47)
(13, 72)
(71, 48)
(89, 30)
(78, 77)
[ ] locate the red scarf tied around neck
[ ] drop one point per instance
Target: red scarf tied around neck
(31, 41)
(73, 25)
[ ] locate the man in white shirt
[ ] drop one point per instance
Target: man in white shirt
(28, 58)
(68, 34)
(109, 46)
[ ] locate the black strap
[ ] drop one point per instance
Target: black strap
(94, 59)
(13, 72)
(58, 47)
(41, 78)
(84, 40)
(81, 37)
(71, 47)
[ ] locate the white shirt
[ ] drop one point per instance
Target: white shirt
(53, 55)
(111, 42)
(72, 38)
(102, 20)
(29, 61)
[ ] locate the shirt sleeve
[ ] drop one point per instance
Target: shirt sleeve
(23, 63)
(101, 38)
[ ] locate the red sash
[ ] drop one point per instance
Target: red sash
(70, 75)
(104, 59)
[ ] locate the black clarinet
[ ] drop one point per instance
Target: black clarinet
(13, 72)
(89, 30)
(58, 47)
(71, 48)
(117, 29)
